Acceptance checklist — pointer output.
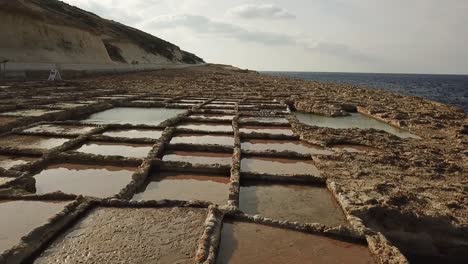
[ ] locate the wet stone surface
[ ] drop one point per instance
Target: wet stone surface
(267, 130)
(18, 218)
(249, 243)
(134, 133)
(212, 116)
(206, 127)
(205, 158)
(134, 116)
(280, 120)
(355, 148)
(134, 235)
(116, 149)
(31, 142)
(203, 139)
(276, 166)
(355, 120)
(29, 112)
(262, 145)
(6, 120)
(62, 129)
(185, 186)
(4, 180)
(306, 204)
(8, 162)
(90, 180)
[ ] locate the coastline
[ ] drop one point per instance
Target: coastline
(403, 182)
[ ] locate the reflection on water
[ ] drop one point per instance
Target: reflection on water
(97, 181)
(277, 166)
(116, 149)
(355, 120)
(180, 186)
(134, 133)
(205, 158)
(18, 218)
(134, 116)
(203, 139)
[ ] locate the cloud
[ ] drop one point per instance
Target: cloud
(260, 11)
(205, 26)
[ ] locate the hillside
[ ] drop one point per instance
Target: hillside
(54, 32)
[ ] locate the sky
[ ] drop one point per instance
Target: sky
(397, 36)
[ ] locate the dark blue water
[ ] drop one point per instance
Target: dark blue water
(447, 89)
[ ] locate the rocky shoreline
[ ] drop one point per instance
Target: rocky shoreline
(411, 192)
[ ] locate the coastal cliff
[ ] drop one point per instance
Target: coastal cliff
(50, 31)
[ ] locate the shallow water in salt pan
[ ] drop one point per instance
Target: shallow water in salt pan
(134, 133)
(185, 186)
(249, 243)
(267, 130)
(203, 139)
(206, 127)
(276, 166)
(355, 120)
(205, 158)
(306, 204)
(116, 149)
(18, 218)
(262, 145)
(90, 180)
(134, 116)
(32, 142)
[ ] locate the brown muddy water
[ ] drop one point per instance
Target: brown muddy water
(277, 166)
(212, 116)
(185, 186)
(263, 145)
(279, 120)
(134, 116)
(62, 129)
(134, 133)
(8, 162)
(18, 218)
(355, 120)
(203, 139)
(29, 112)
(306, 204)
(267, 130)
(204, 158)
(248, 243)
(6, 120)
(89, 180)
(31, 142)
(116, 149)
(207, 127)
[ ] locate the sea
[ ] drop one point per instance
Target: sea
(447, 89)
